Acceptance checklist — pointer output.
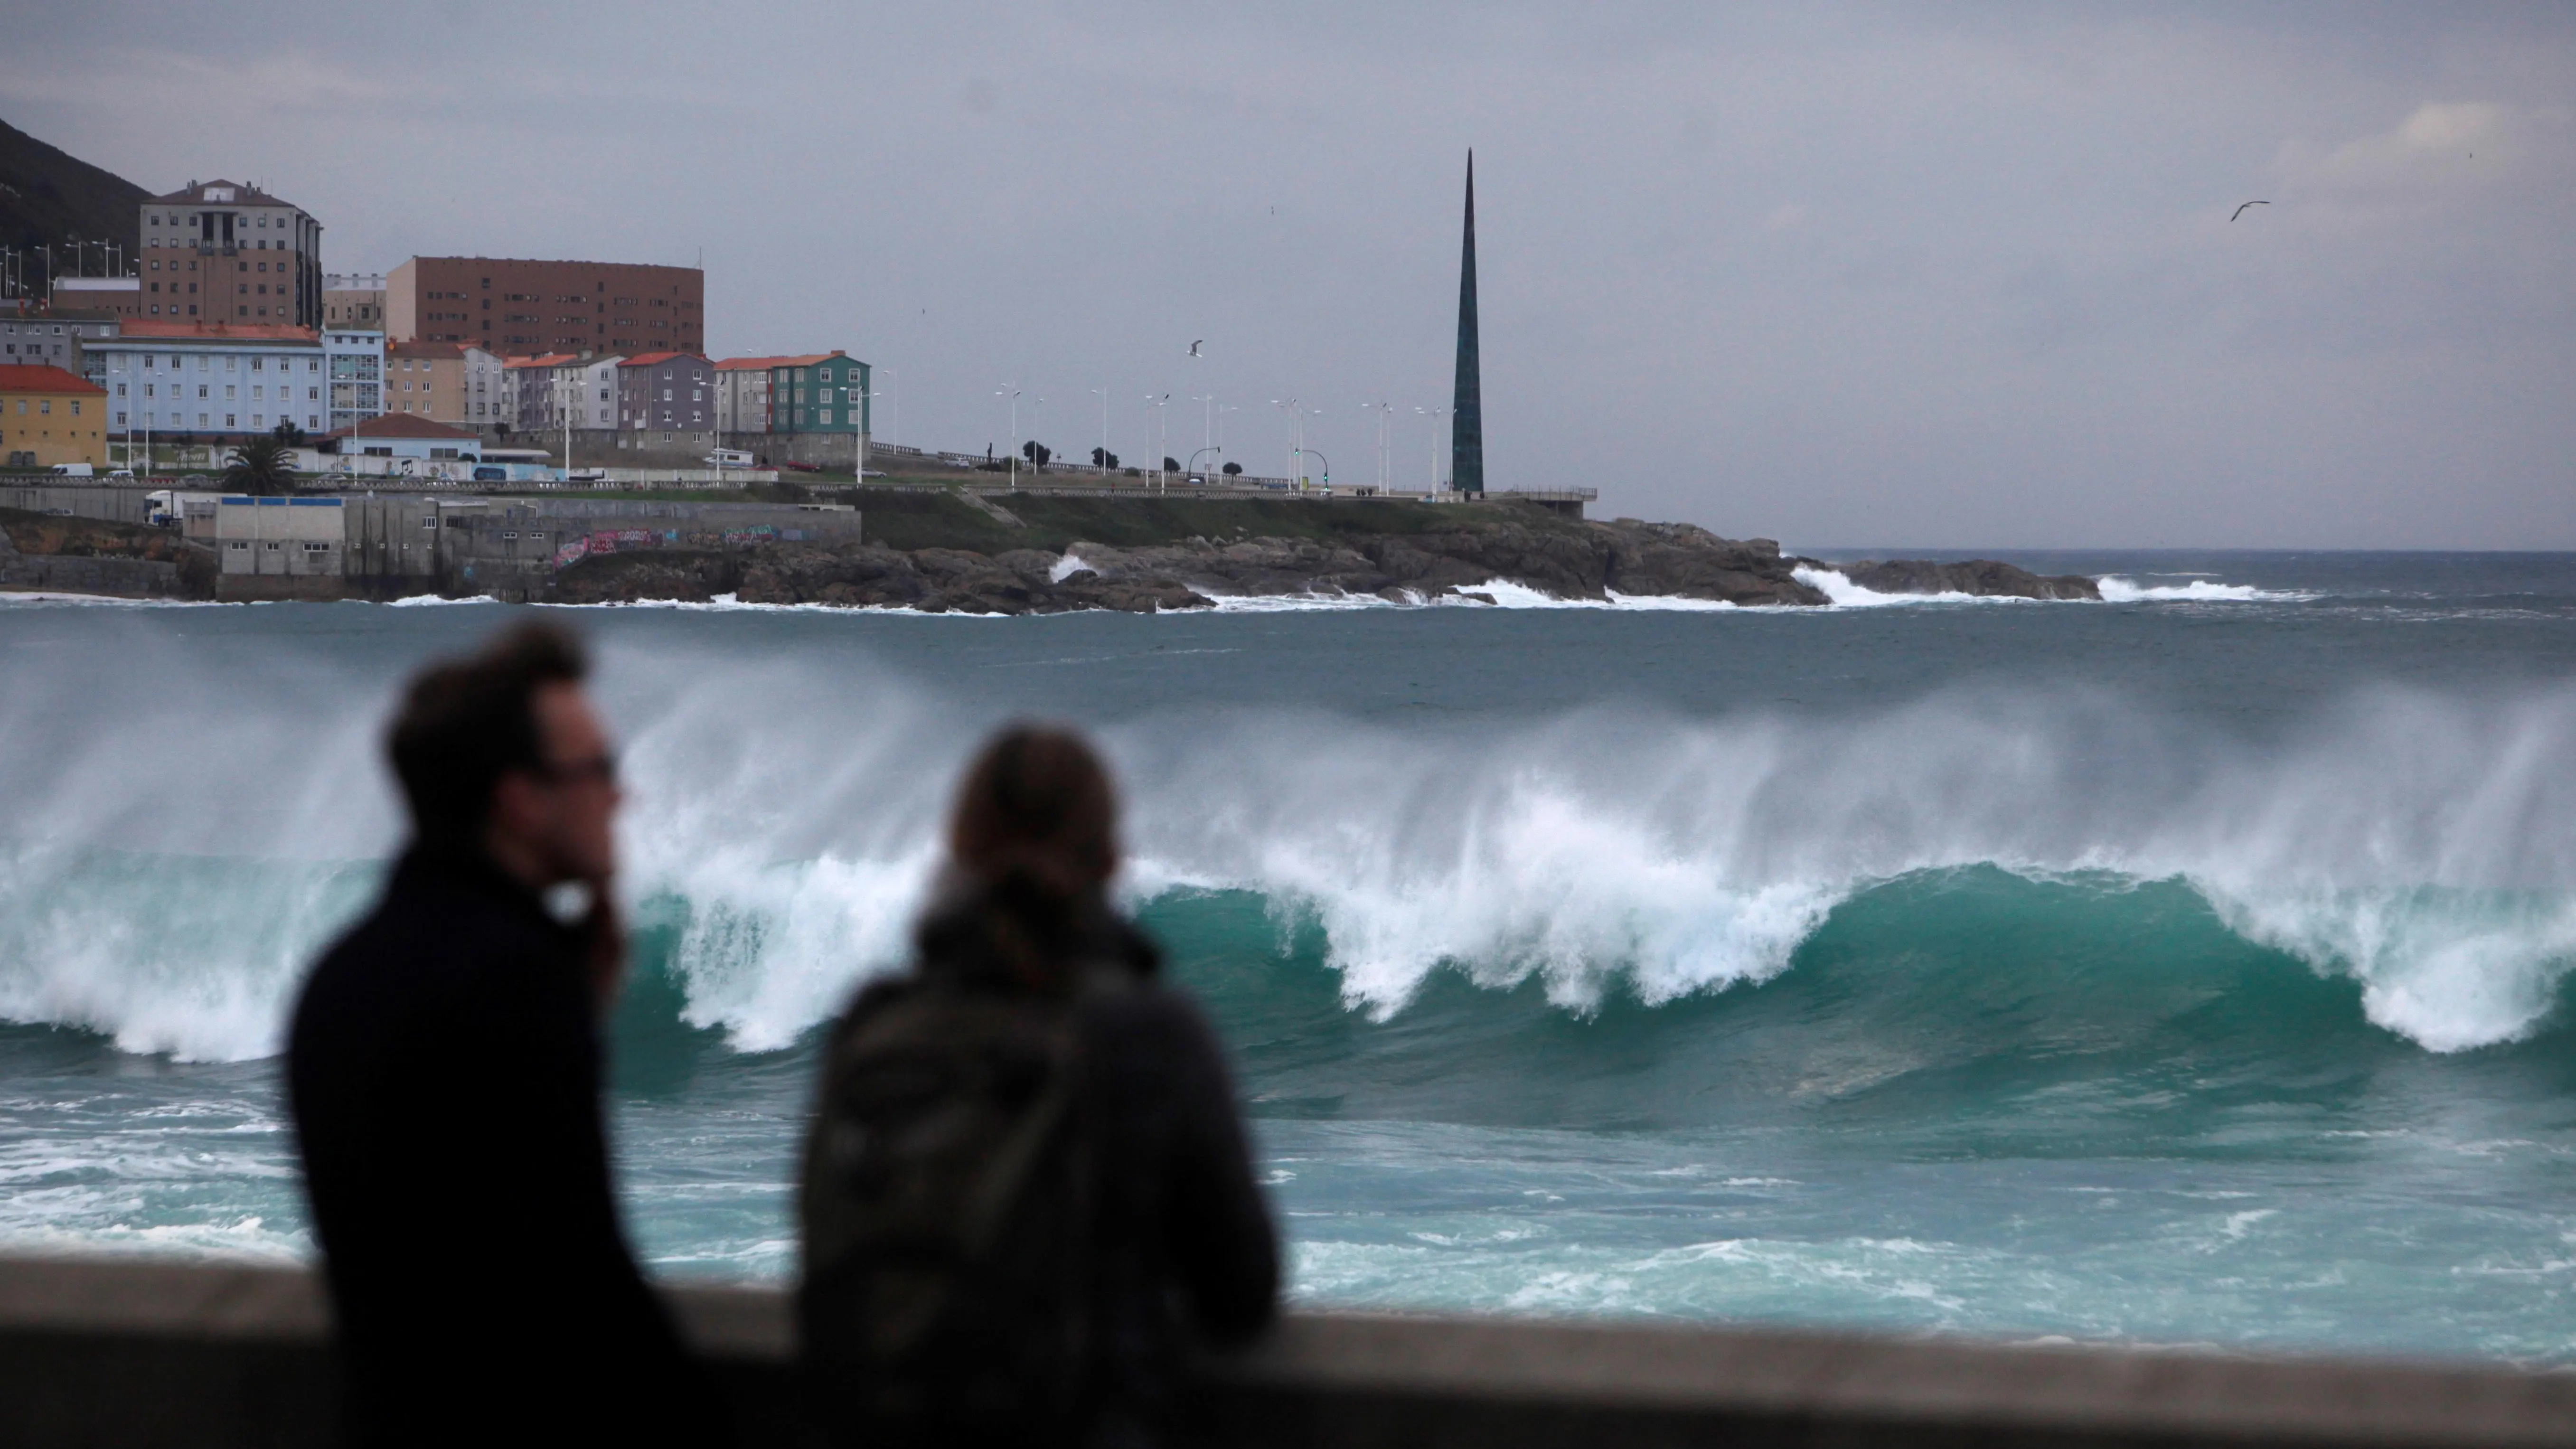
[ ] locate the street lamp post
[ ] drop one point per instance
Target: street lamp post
(1162, 442)
(1435, 414)
(1297, 440)
(1013, 435)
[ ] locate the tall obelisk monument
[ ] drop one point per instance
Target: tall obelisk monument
(1466, 407)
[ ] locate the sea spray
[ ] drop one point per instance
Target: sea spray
(787, 821)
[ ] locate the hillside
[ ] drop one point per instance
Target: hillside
(48, 196)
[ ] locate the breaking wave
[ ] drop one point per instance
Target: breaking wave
(2418, 846)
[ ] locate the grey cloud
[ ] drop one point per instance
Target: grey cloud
(1848, 274)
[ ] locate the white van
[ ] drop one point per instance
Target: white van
(74, 470)
(728, 458)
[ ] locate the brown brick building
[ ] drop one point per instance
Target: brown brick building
(512, 308)
(219, 251)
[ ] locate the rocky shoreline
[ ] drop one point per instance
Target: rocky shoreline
(938, 554)
(1575, 561)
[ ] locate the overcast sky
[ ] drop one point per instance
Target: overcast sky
(1941, 276)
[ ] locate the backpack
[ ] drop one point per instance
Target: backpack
(947, 1208)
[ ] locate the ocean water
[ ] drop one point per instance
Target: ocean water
(2189, 968)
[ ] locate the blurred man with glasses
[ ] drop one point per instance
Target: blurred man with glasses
(444, 1071)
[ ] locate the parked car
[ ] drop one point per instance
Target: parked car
(491, 475)
(804, 467)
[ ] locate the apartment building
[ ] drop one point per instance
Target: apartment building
(512, 307)
(820, 393)
(354, 300)
(667, 392)
(49, 416)
(56, 338)
(357, 366)
(219, 251)
(544, 389)
(742, 394)
(446, 381)
(527, 390)
(207, 382)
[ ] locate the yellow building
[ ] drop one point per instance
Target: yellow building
(48, 416)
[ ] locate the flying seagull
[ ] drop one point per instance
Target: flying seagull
(1194, 347)
(2240, 211)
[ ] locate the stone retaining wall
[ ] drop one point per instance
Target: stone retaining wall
(124, 1354)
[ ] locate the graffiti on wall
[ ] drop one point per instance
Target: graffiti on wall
(619, 540)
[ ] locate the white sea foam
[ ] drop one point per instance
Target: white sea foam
(36, 598)
(784, 819)
(2118, 590)
(1848, 595)
(1296, 603)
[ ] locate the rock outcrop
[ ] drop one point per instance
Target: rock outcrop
(1983, 577)
(1563, 558)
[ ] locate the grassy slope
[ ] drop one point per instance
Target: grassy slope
(938, 520)
(46, 195)
(58, 536)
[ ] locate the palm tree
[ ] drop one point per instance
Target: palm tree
(260, 465)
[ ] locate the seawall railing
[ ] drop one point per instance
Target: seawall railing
(121, 1354)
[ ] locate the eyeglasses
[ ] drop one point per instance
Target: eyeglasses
(601, 767)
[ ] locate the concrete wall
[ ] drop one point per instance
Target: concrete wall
(118, 504)
(509, 547)
(124, 578)
(611, 448)
(123, 1354)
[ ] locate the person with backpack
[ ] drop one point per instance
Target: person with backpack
(1027, 1199)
